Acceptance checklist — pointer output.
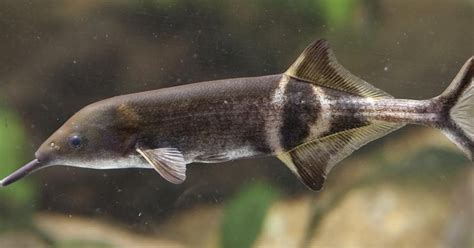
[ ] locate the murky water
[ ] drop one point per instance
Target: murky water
(412, 188)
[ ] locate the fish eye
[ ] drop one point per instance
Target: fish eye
(75, 141)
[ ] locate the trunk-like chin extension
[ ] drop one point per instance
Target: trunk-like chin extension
(22, 172)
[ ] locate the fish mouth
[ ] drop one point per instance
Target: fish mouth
(22, 172)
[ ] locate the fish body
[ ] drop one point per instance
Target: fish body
(207, 122)
(247, 117)
(310, 117)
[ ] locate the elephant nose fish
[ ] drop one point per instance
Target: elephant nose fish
(311, 117)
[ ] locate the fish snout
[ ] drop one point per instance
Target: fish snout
(22, 172)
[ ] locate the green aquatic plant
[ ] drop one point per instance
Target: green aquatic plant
(245, 215)
(337, 13)
(16, 202)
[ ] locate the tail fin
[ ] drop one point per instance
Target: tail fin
(458, 109)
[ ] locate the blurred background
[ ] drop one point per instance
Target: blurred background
(410, 189)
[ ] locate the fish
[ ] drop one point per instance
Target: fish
(310, 117)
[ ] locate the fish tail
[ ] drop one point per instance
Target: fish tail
(312, 160)
(457, 109)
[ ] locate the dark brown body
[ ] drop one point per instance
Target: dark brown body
(228, 119)
(205, 121)
(221, 120)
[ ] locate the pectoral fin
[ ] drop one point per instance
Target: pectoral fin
(312, 161)
(168, 162)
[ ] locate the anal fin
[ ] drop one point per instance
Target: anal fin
(312, 161)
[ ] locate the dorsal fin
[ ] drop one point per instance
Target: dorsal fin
(313, 160)
(318, 65)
